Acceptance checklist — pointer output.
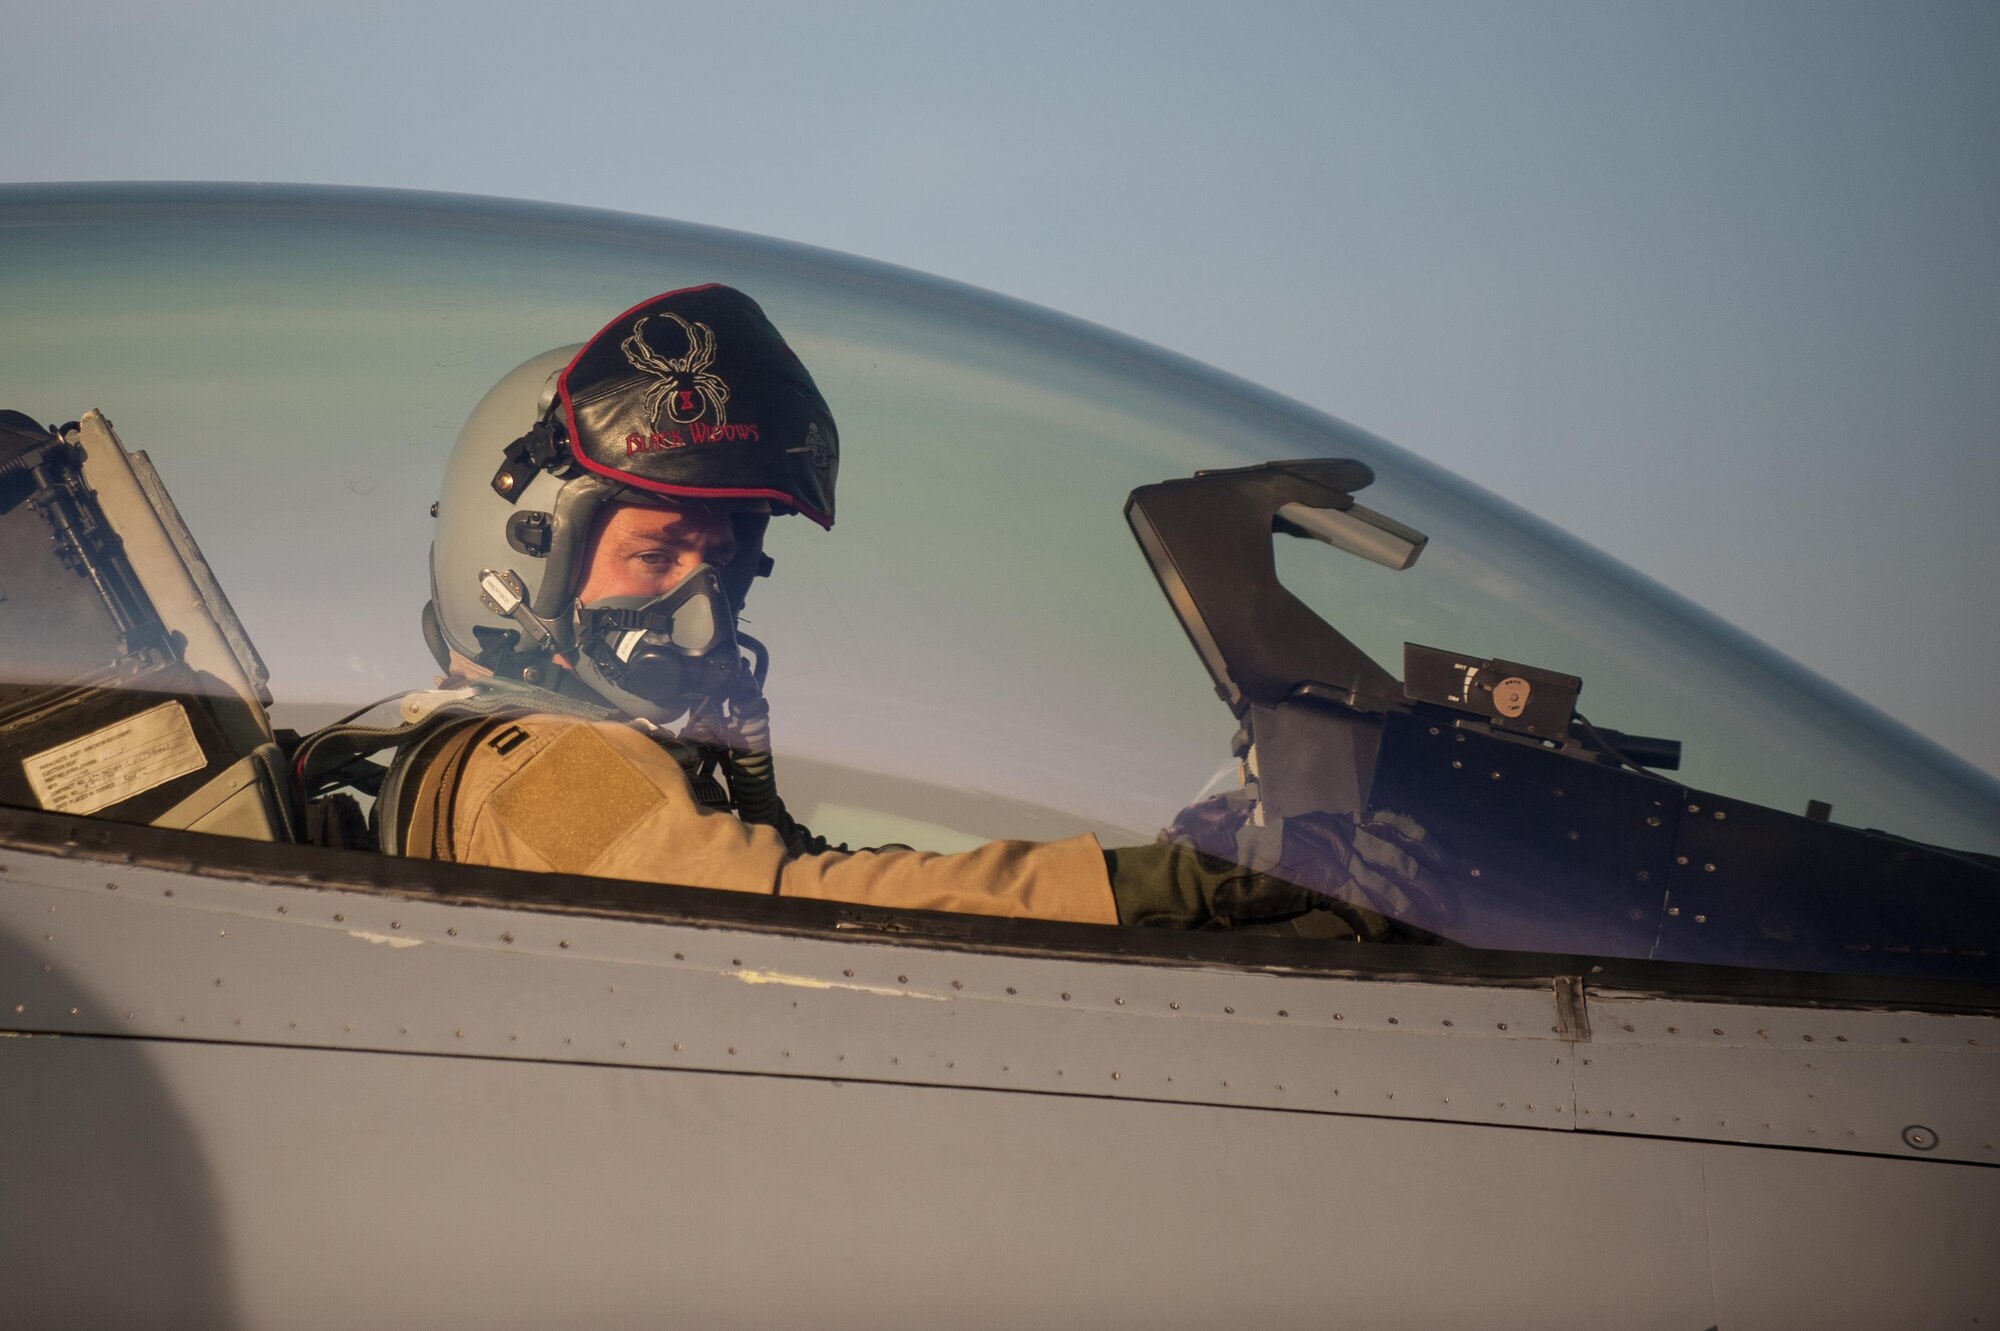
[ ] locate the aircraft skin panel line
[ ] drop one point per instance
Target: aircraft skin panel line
(182, 957)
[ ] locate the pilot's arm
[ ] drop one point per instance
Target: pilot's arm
(557, 794)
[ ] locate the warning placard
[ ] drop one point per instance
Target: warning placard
(117, 762)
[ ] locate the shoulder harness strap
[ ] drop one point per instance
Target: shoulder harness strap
(414, 796)
(416, 815)
(338, 755)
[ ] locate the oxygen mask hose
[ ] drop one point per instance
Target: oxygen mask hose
(753, 775)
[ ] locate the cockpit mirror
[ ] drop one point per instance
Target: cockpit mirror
(1208, 539)
(1357, 530)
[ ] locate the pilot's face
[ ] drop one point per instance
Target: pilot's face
(640, 550)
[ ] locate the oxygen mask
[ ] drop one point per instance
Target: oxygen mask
(659, 657)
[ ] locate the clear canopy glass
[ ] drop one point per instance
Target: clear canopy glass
(978, 648)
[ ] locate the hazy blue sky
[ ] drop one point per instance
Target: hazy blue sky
(1715, 286)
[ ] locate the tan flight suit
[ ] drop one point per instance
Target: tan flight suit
(558, 794)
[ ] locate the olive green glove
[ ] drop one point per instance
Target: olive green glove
(1368, 882)
(1170, 886)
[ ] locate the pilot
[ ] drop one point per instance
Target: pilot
(600, 527)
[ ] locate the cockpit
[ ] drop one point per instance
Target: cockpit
(1078, 585)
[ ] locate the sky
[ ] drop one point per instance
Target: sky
(1714, 286)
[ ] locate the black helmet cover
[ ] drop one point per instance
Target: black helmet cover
(694, 394)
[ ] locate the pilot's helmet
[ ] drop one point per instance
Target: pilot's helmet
(691, 397)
